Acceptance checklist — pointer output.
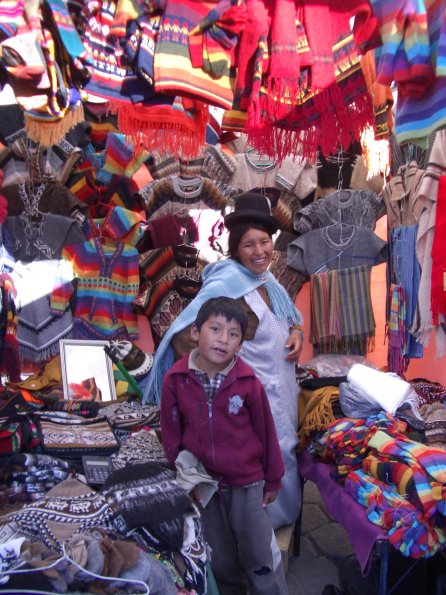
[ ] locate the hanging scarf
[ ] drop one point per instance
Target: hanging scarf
(396, 330)
(223, 278)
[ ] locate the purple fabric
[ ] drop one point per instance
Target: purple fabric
(361, 532)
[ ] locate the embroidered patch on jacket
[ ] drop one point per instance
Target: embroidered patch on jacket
(235, 404)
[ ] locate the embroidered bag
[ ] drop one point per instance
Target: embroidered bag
(71, 437)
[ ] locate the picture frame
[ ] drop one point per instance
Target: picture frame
(86, 367)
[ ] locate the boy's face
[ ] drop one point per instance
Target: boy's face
(219, 340)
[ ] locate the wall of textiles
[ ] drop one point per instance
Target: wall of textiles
(96, 96)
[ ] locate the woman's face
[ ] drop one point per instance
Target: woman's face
(255, 250)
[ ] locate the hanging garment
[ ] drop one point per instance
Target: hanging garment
(405, 271)
(301, 78)
(438, 300)
(342, 319)
(401, 196)
(294, 174)
(423, 324)
(354, 207)
(107, 281)
(170, 279)
(336, 246)
(198, 63)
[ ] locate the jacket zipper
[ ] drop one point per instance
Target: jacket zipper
(211, 428)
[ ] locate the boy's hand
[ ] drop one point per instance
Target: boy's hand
(269, 497)
(195, 495)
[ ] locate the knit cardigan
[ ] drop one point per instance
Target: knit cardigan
(107, 283)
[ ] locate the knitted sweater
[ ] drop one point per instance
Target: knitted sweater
(295, 176)
(356, 207)
(171, 277)
(107, 283)
(337, 247)
(185, 191)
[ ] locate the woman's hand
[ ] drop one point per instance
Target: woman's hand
(294, 343)
(269, 497)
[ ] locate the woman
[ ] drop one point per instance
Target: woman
(274, 339)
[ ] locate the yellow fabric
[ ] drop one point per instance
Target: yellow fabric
(50, 375)
(315, 411)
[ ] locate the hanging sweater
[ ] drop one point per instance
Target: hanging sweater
(107, 283)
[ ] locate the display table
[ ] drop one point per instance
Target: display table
(364, 536)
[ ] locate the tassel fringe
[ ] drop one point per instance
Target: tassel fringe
(184, 137)
(51, 132)
(335, 124)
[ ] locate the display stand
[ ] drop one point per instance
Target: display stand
(365, 537)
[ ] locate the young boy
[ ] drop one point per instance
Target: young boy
(213, 405)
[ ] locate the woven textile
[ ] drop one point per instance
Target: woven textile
(313, 83)
(143, 446)
(108, 282)
(176, 50)
(71, 440)
(342, 319)
(148, 495)
(404, 269)
(154, 510)
(68, 508)
(396, 330)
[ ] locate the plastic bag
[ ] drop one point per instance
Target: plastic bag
(355, 403)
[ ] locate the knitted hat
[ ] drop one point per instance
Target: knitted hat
(136, 362)
(434, 416)
(254, 208)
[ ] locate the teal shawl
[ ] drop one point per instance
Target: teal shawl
(223, 278)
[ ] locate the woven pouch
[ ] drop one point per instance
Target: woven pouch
(70, 440)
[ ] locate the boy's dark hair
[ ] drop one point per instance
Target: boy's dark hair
(228, 307)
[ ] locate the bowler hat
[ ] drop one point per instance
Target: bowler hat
(251, 207)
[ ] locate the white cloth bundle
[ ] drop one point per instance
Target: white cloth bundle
(387, 389)
(192, 474)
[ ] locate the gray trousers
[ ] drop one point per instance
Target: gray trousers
(245, 554)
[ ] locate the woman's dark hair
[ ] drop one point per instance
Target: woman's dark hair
(228, 307)
(238, 231)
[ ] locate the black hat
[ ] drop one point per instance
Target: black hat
(251, 207)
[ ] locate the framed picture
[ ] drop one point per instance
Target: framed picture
(87, 371)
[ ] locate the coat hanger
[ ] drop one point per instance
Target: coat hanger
(66, 557)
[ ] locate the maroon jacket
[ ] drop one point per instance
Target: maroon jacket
(233, 436)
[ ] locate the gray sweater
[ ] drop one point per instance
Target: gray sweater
(335, 247)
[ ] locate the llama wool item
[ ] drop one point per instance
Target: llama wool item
(434, 416)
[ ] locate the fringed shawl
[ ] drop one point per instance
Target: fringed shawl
(224, 278)
(342, 319)
(308, 90)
